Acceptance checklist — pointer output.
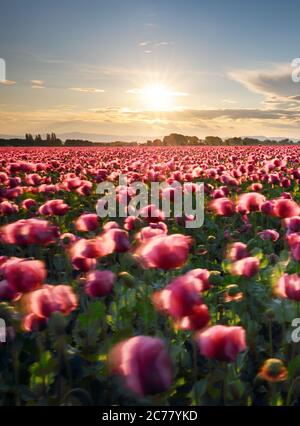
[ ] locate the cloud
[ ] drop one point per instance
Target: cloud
(8, 82)
(274, 84)
(163, 43)
(222, 121)
(87, 90)
(153, 44)
(144, 43)
(37, 82)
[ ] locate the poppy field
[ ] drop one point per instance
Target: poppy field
(143, 310)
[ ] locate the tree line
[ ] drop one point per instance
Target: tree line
(174, 139)
(178, 139)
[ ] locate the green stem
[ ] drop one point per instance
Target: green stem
(291, 390)
(270, 339)
(195, 371)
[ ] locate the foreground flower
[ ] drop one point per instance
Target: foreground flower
(221, 342)
(54, 208)
(198, 318)
(233, 294)
(246, 267)
(24, 275)
(181, 300)
(269, 234)
(165, 252)
(250, 202)
(288, 286)
(237, 251)
(273, 370)
(153, 230)
(7, 292)
(293, 241)
(29, 231)
(92, 248)
(31, 323)
(152, 214)
(223, 206)
(200, 277)
(99, 283)
(49, 299)
(285, 208)
(87, 222)
(144, 364)
(292, 224)
(117, 238)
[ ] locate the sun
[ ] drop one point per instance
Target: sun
(156, 97)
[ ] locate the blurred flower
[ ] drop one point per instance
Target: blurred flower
(165, 252)
(54, 208)
(288, 286)
(221, 342)
(25, 275)
(152, 230)
(292, 224)
(7, 208)
(99, 283)
(286, 208)
(246, 267)
(87, 222)
(49, 299)
(32, 322)
(250, 202)
(294, 245)
(237, 251)
(223, 206)
(273, 370)
(117, 239)
(233, 294)
(144, 364)
(152, 214)
(269, 234)
(29, 231)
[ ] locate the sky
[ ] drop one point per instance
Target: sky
(139, 69)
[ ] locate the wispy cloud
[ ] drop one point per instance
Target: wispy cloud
(274, 83)
(37, 82)
(8, 82)
(153, 44)
(87, 90)
(144, 43)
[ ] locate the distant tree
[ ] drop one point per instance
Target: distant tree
(175, 139)
(213, 140)
(192, 140)
(29, 138)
